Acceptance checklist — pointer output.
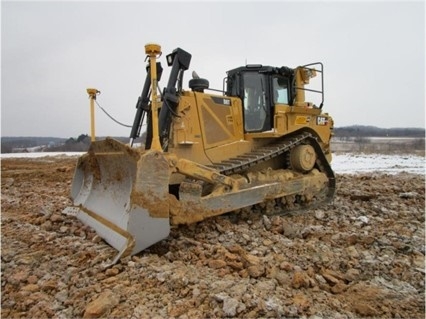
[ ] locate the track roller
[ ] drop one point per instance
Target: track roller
(302, 158)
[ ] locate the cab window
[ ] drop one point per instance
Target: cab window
(255, 112)
(280, 90)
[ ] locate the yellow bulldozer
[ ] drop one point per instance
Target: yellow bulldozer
(254, 145)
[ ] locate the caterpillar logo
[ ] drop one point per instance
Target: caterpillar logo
(220, 100)
(322, 120)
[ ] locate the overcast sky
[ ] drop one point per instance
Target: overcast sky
(373, 55)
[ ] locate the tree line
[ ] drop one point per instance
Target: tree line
(82, 142)
(373, 131)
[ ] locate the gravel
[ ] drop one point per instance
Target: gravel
(363, 255)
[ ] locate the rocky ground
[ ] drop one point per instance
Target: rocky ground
(361, 256)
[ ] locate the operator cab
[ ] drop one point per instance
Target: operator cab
(260, 88)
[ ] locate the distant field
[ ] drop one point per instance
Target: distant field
(379, 145)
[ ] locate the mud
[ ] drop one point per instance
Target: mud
(363, 255)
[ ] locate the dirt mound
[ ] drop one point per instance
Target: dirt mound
(360, 256)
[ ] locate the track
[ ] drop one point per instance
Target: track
(285, 205)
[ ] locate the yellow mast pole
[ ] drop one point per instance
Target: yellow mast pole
(303, 75)
(92, 95)
(154, 50)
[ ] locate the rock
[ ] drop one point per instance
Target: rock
(290, 231)
(286, 266)
(352, 274)
(31, 288)
(352, 239)
(395, 285)
(196, 292)
(267, 242)
(48, 226)
(333, 277)
(17, 278)
(32, 279)
(265, 287)
(367, 240)
(300, 280)
(365, 309)
(267, 222)
(311, 230)
(55, 218)
(320, 279)
(163, 276)
(112, 271)
(235, 265)
(408, 195)
(221, 296)
(301, 302)
(273, 304)
(363, 219)
(61, 296)
(229, 256)
(247, 259)
(63, 229)
(49, 285)
(101, 306)
(216, 263)
(352, 251)
(319, 214)
(177, 310)
(239, 289)
(246, 237)
(256, 271)
(110, 280)
(339, 288)
(8, 181)
(25, 260)
(230, 306)
(418, 260)
(96, 239)
(241, 307)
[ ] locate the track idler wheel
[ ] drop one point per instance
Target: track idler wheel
(302, 158)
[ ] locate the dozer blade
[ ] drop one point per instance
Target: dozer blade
(123, 195)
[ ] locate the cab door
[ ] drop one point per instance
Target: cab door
(256, 102)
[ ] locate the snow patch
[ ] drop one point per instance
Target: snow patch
(365, 163)
(341, 164)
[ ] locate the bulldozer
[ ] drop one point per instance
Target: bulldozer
(254, 146)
